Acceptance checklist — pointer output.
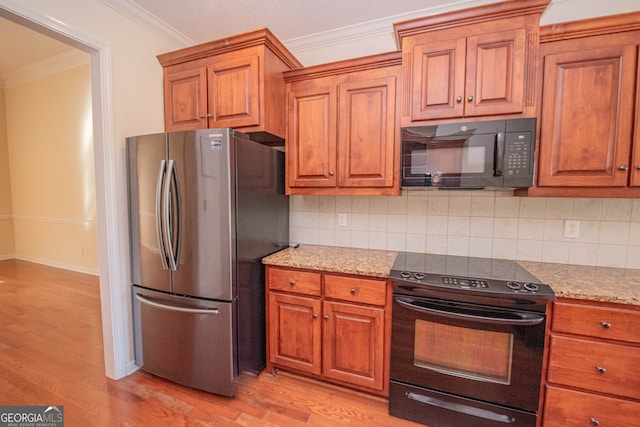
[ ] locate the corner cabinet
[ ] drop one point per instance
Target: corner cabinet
(592, 374)
(233, 82)
(589, 109)
(331, 327)
(342, 136)
(470, 63)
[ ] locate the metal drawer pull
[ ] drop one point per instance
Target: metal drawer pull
(594, 421)
(601, 369)
(352, 291)
(605, 325)
(292, 282)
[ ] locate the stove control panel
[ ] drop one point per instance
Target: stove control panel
(477, 284)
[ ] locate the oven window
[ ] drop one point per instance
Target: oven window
(448, 160)
(463, 352)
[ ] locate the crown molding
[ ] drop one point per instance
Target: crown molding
(54, 64)
(376, 28)
(143, 17)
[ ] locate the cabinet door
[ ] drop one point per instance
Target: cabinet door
(234, 92)
(587, 113)
(572, 408)
(437, 86)
(311, 142)
(185, 100)
(495, 73)
(353, 344)
(295, 332)
(367, 130)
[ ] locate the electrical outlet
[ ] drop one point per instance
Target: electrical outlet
(342, 220)
(571, 228)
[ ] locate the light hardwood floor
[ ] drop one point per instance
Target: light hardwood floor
(51, 354)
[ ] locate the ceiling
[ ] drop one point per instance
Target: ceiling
(287, 20)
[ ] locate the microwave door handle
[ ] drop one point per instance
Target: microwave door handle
(526, 319)
(498, 153)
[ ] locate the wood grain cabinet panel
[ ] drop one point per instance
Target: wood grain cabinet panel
(474, 62)
(342, 337)
(592, 367)
(589, 109)
(342, 129)
(587, 113)
(466, 77)
(295, 338)
(232, 82)
(572, 408)
(353, 344)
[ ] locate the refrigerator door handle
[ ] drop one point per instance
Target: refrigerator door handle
(172, 215)
(144, 300)
(159, 222)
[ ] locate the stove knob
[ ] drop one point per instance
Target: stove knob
(419, 276)
(513, 285)
(531, 287)
(405, 274)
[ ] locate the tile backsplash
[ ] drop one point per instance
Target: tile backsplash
(603, 232)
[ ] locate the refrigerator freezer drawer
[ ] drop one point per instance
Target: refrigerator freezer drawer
(186, 340)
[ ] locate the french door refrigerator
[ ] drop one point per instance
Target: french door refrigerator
(205, 207)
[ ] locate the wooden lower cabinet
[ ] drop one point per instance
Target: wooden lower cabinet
(339, 334)
(593, 368)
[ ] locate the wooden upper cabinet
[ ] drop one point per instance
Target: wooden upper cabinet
(311, 152)
(342, 133)
(470, 63)
(589, 103)
(234, 93)
(474, 76)
(587, 112)
(185, 95)
(233, 82)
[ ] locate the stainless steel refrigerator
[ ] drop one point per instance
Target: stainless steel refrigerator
(205, 207)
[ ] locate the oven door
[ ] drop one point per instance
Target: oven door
(472, 351)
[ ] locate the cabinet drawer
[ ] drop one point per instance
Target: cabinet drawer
(299, 282)
(602, 367)
(570, 408)
(364, 291)
(601, 322)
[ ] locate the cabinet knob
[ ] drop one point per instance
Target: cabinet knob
(315, 315)
(638, 167)
(326, 317)
(292, 282)
(594, 421)
(202, 116)
(605, 325)
(470, 98)
(352, 291)
(601, 369)
(459, 99)
(331, 173)
(209, 115)
(623, 167)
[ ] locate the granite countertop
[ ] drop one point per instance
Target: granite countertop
(605, 284)
(365, 262)
(616, 285)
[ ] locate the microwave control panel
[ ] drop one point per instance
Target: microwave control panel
(518, 156)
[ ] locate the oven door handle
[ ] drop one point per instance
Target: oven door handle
(522, 318)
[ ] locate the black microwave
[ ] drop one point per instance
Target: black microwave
(495, 154)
